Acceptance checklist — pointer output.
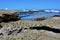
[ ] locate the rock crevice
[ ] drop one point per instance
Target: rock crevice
(46, 28)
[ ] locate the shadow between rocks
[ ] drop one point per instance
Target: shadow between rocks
(38, 28)
(32, 28)
(46, 28)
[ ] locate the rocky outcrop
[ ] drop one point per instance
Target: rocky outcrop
(9, 17)
(31, 30)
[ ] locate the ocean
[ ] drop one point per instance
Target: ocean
(35, 15)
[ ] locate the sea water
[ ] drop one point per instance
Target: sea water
(35, 15)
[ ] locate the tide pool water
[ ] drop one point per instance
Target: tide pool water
(34, 15)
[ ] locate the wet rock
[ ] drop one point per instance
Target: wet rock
(40, 19)
(56, 16)
(9, 17)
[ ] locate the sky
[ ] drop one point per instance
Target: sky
(29, 4)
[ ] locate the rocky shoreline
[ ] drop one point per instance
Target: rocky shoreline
(47, 29)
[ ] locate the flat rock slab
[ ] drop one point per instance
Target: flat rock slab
(34, 35)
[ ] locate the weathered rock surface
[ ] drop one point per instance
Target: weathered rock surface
(33, 35)
(48, 29)
(31, 30)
